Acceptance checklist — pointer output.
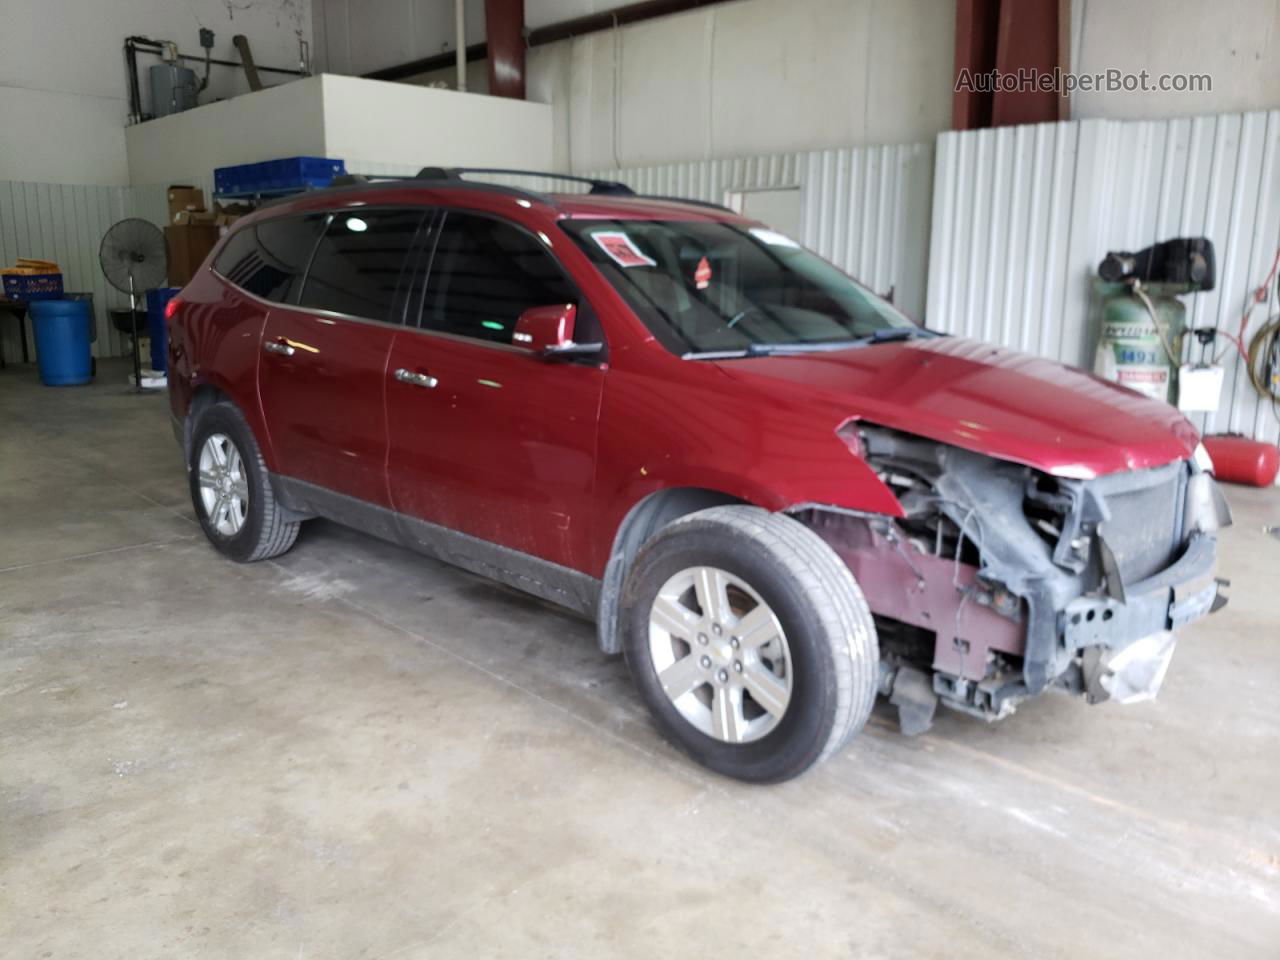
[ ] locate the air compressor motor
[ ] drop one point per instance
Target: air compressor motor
(1180, 265)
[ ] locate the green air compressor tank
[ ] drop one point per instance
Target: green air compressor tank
(1132, 350)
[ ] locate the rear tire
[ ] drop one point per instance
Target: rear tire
(231, 489)
(761, 708)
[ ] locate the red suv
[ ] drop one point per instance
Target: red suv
(775, 493)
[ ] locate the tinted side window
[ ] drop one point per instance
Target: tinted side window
(268, 258)
(358, 263)
(484, 274)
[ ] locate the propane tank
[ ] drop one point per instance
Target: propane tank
(1133, 346)
(1241, 460)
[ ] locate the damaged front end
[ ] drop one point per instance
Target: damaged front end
(1002, 580)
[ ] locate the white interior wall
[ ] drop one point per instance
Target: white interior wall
(402, 124)
(1236, 42)
(284, 121)
(348, 118)
(63, 86)
(735, 79)
(759, 76)
(359, 36)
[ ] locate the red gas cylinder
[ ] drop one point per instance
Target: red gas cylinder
(1241, 460)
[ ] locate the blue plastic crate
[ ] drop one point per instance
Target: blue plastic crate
(276, 176)
(33, 286)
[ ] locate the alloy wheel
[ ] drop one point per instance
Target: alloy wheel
(224, 484)
(720, 654)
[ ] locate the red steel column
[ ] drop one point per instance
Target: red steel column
(1028, 42)
(504, 36)
(977, 29)
(1008, 36)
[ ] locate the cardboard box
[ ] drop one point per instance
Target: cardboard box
(228, 213)
(182, 198)
(188, 245)
(184, 217)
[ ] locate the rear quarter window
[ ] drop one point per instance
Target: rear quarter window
(268, 258)
(358, 265)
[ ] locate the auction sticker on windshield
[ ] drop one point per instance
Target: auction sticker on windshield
(622, 249)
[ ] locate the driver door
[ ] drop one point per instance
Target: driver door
(486, 437)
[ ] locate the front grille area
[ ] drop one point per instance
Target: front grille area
(1144, 531)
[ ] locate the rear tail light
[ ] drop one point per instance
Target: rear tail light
(172, 307)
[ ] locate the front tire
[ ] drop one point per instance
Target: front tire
(231, 490)
(750, 642)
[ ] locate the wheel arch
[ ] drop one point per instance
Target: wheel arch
(208, 391)
(642, 521)
(204, 396)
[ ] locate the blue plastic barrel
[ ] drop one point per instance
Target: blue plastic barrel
(156, 327)
(62, 329)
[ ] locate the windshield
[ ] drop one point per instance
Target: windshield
(705, 287)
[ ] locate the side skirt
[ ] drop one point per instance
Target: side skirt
(542, 578)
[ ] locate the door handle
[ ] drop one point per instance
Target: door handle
(415, 379)
(276, 346)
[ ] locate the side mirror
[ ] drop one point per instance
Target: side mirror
(548, 331)
(541, 327)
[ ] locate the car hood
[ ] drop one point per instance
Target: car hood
(986, 399)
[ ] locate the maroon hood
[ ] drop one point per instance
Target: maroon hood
(986, 399)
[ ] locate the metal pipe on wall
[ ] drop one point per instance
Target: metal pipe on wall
(460, 43)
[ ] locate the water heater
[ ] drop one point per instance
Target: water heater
(173, 89)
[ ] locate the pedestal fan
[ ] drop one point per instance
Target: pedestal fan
(134, 260)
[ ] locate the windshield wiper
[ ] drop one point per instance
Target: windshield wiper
(889, 334)
(774, 349)
(886, 335)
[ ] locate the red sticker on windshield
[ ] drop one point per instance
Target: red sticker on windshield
(622, 250)
(702, 276)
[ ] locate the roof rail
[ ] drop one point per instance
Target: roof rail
(608, 187)
(453, 177)
(711, 204)
(351, 179)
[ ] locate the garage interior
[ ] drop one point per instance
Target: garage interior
(355, 751)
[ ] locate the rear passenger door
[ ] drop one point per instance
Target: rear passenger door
(486, 437)
(324, 360)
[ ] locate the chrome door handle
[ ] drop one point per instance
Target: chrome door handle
(275, 346)
(415, 379)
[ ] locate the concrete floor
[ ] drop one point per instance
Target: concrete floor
(357, 752)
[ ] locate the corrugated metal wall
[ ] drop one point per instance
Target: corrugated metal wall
(66, 223)
(1022, 215)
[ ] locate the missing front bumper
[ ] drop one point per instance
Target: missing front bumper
(1168, 600)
